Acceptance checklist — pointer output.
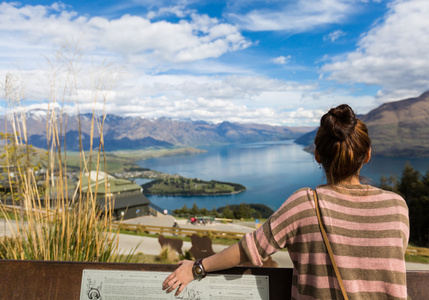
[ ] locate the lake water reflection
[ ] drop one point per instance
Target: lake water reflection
(271, 171)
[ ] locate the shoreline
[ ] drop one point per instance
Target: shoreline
(198, 195)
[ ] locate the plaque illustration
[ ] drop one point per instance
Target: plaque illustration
(93, 292)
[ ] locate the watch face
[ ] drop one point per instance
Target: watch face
(198, 269)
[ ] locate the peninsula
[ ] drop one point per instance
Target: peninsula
(181, 186)
(123, 164)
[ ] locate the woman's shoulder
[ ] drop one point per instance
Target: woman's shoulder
(378, 190)
(363, 192)
(352, 191)
(302, 192)
(296, 198)
(392, 195)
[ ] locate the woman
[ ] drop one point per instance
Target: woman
(367, 227)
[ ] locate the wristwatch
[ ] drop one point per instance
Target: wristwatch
(198, 269)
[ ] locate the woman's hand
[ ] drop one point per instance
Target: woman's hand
(180, 277)
(227, 258)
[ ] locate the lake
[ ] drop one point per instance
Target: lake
(271, 171)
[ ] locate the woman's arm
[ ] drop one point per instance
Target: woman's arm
(227, 258)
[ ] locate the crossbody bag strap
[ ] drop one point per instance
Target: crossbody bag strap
(328, 247)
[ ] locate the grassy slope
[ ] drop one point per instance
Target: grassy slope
(122, 161)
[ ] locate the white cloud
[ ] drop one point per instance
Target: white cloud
(282, 60)
(232, 98)
(188, 40)
(393, 54)
(334, 97)
(178, 10)
(215, 111)
(335, 35)
(232, 87)
(296, 15)
(246, 99)
(165, 65)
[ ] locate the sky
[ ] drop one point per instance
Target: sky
(278, 62)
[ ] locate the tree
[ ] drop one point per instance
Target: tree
(182, 211)
(243, 211)
(214, 212)
(389, 184)
(194, 210)
(410, 186)
(415, 190)
(204, 211)
(425, 182)
(256, 214)
(227, 212)
(423, 221)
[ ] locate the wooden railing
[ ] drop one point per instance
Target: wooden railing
(179, 231)
(16, 209)
(417, 251)
(411, 250)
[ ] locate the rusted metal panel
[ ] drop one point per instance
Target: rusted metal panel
(54, 280)
(62, 280)
(51, 280)
(418, 285)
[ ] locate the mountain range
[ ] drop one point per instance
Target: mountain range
(396, 129)
(399, 129)
(126, 133)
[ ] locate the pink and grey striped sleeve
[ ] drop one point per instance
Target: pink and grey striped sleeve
(273, 234)
(368, 230)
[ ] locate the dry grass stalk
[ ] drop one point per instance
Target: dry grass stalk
(53, 226)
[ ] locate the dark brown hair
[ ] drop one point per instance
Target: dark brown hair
(342, 142)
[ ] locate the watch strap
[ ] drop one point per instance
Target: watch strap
(198, 269)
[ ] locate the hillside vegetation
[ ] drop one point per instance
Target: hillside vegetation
(181, 186)
(400, 128)
(124, 163)
(236, 211)
(414, 187)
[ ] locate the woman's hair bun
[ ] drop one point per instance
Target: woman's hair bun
(339, 121)
(342, 143)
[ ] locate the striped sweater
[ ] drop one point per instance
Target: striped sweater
(367, 227)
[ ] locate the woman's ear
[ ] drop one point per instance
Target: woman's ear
(368, 156)
(317, 156)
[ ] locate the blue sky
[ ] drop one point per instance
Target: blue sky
(273, 62)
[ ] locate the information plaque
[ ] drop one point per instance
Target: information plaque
(124, 285)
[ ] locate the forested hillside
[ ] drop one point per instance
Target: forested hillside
(414, 187)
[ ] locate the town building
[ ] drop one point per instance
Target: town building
(125, 195)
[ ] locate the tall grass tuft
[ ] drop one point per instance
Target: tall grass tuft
(168, 255)
(51, 218)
